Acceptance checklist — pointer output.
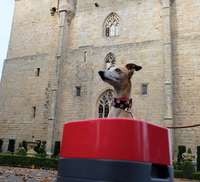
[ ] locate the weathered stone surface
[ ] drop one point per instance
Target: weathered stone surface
(184, 180)
(161, 36)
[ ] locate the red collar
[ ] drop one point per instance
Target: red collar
(123, 98)
(123, 103)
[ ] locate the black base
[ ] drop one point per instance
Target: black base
(90, 170)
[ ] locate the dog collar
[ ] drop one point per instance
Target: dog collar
(123, 103)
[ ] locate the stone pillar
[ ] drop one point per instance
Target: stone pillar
(168, 61)
(66, 12)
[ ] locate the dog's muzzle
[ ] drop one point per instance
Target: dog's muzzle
(101, 74)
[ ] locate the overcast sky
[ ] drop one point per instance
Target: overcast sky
(6, 13)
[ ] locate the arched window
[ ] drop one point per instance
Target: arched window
(111, 25)
(109, 60)
(105, 103)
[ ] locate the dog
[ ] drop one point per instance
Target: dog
(120, 79)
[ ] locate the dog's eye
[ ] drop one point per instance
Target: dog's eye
(118, 70)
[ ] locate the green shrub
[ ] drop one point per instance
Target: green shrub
(178, 173)
(178, 165)
(24, 161)
(198, 158)
(181, 150)
(188, 169)
(189, 151)
(21, 151)
(196, 175)
(41, 149)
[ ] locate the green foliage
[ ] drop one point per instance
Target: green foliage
(178, 165)
(196, 176)
(189, 151)
(198, 158)
(41, 149)
(21, 150)
(178, 174)
(181, 150)
(188, 169)
(24, 161)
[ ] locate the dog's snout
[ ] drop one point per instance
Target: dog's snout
(101, 74)
(137, 68)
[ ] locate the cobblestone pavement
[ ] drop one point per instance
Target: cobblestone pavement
(8, 174)
(184, 180)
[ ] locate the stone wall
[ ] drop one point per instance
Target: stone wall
(21, 90)
(33, 44)
(186, 48)
(147, 37)
(140, 21)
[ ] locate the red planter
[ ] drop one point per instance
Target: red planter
(116, 139)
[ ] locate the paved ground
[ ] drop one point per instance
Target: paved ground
(8, 174)
(183, 180)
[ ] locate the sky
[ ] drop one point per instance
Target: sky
(6, 14)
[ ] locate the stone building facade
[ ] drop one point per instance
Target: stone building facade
(57, 47)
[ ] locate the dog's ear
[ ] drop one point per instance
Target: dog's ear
(131, 68)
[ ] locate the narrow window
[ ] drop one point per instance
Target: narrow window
(56, 148)
(78, 91)
(34, 111)
(37, 72)
(1, 145)
(144, 89)
(85, 56)
(11, 145)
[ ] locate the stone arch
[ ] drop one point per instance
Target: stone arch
(111, 25)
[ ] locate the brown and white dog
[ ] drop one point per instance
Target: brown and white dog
(120, 79)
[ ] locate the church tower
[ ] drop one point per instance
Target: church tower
(57, 47)
(29, 86)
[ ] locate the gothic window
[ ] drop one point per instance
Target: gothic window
(111, 25)
(105, 103)
(110, 60)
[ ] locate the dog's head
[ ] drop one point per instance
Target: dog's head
(117, 76)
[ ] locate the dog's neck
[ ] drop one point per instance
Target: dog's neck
(123, 92)
(122, 102)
